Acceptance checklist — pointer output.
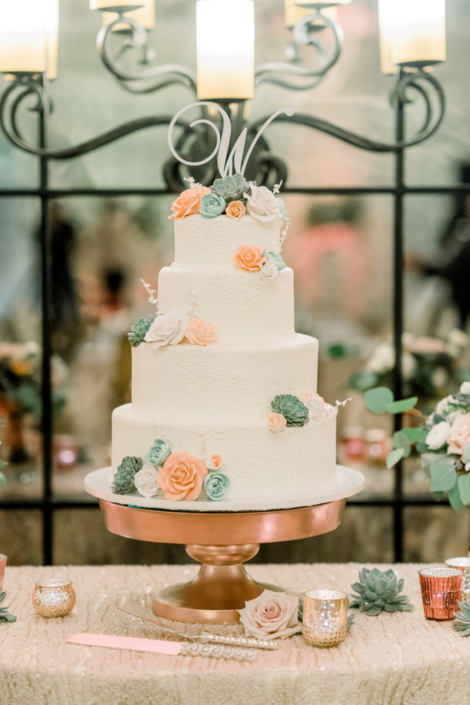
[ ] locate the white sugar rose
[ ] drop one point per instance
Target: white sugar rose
(146, 481)
(465, 388)
(438, 435)
(271, 615)
(269, 270)
(167, 329)
(262, 204)
(459, 435)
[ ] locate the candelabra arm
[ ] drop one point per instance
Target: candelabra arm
(27, 86)
(166, 75)
(305, 33)
(424, 85)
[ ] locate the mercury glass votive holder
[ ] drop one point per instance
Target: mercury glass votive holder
(54, 598)
(3, 565)
(325, 617)
(462, 564)
(440, 590)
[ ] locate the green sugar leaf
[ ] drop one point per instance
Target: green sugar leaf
(394, 457)
(379, 399)
(399, 407)
(443, 477)
(464, 488)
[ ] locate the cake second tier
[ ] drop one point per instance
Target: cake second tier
(221, 381)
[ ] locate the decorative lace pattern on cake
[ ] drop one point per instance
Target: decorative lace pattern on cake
(206, 375)
(247, 291)
(213, 238)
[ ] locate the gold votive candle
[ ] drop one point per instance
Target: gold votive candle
(54, 598)
(3, 565)
(440, 590)
(325, 617)
(462, 564)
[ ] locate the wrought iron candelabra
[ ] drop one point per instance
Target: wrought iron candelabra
(413, 86)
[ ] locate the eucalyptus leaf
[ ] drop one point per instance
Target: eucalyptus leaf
(466, 453)
(422, 447)
(401, 440)
(378, 400)
(455, 499)
(443, 477)
(3, 464)
(394, 457)
(438, 496)
(464, 488)
(399, 407)
(415, 435)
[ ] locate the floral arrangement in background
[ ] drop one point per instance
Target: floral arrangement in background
(180, 475)
(20, 379)
(232, 196)
(443, 440)
(430, 366)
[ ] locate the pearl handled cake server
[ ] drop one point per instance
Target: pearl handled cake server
(245, 642)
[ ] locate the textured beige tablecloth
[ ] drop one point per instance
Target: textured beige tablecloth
(397, 659)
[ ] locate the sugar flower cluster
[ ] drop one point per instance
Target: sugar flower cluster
(232, 196)
(180, 475)
(289, 410)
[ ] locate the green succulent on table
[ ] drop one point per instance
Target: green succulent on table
(293, 410)
(139, 331)
(379, 591)
(123, 481)
(5, 615)
(462, 619)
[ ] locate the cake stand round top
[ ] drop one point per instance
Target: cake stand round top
(347, 483)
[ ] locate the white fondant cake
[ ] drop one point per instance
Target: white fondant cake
(223, 389)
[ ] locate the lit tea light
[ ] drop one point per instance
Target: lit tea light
(441, 588)
(462, 564)
(325, 617)
(54, 598)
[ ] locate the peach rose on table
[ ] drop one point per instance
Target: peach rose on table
(459, 435)
(249, 258)
(271, 615)
(235, 210)
(276, 423)
(189, 202)
(200, 332)
(182, 477)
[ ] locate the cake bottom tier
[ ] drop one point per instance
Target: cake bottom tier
(259, 463)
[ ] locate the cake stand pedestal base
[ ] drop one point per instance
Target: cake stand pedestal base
(222, 585)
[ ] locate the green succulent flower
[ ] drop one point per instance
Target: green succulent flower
(5, 615)
(216, 485)
(123, 482)
(158, 453)
(293, 410)
(139, 331)
(379, 591)
(276, 258)
(212, 205)
(462, 619)
(231, 188)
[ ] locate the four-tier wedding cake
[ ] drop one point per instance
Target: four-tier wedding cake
(224, 392)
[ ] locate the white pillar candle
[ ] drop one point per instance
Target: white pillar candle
(413, 32)
(143, 15)
(116, 5)
(225, 49)
(294, 12)
(28, 37)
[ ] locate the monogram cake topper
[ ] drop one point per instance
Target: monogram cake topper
(228, 164)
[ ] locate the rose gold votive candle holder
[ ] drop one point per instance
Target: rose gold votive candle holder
(325, 617)
(54, 598)
(440, 589)
(462, 564)
(3, 565)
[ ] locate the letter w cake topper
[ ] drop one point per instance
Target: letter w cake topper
(228, 164)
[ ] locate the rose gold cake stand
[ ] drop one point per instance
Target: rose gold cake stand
(221, 542)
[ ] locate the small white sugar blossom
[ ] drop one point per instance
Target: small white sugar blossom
(214, 461)
(438, 435)
(146, 481)
(167, 329)
(317, 406)
(269, 270)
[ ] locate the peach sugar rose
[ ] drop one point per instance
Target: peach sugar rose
(189, 202)
(201, 332)
(182, 477)
(459, 435)
(276, 423)
(249, 258)
(235, 209)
